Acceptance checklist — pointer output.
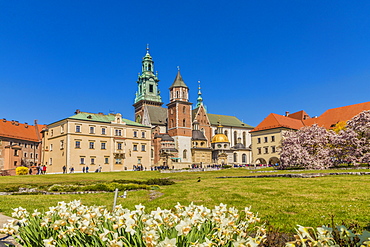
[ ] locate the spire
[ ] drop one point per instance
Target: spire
(199, 99)
(148, 81)
(178, 82)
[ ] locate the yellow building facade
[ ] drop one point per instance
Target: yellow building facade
(96, 142)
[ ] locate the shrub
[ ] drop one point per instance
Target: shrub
(21, 170)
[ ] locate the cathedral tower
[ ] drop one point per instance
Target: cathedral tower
(147, 92)
(179, 117)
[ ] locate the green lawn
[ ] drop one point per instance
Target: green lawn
(282, 202)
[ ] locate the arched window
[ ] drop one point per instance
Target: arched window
(177, 94)
(149, 67)
(184, 109)
(184, 154)
(244, 139)
(183, 122)
(235, 138)
(244, 158)
(235, 157)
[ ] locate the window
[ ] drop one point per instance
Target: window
(225, 132)
(266, 150)
(106, 160)
(103, 131)
(184, 154)
(135, 133)
(139, 161)
(62, 129)
(244, 139)
(235, 138)
(50, 161)
(177, 94)
(51, 147)
(272, 138)
(135, 147)
(143, 148)
(36, 156)
(171, 111)
(258, 140)
(118, 161)
(25, 145)
(244, 158)
(151, 88)
(25, 155)
(51, 133)
(266, 139)
(273, 149)
(77, 144)
(119, 146)
(82, 160)
(15, 163)
(61, 144)
(78, 128)
(31, 155)
(143, 134)
(259, 150)
(118, 132)
(184, 109)
(91, 145)
(103, 145)
(92, 129)
(183, 122)
(92, 160)
(152, 153)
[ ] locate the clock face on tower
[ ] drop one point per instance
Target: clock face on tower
(138, 119)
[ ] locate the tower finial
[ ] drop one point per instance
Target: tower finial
(178, 68)
(147, 47)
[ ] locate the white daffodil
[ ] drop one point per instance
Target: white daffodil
(168, 242)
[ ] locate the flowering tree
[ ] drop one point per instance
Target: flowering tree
(357, 138)
(314, 147)
(308, 147)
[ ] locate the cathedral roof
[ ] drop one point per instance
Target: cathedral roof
(198, 135)
(229, 121)
(157, 115)
(178, 82)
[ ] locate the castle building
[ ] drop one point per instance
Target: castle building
(181, 135)
(20, 145)
(267, 136)
(97, 141)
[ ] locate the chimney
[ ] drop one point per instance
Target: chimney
(286, 113)
(16, 123)
(13, 122)
(4, 120)
(77, 111)
(26, 125)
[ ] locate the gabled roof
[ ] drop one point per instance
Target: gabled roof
(178, 82)
(227, 121)
(16, 130)
(98, 117)
(157, 115)
(300, 115)
(273, 121)
(335, 115)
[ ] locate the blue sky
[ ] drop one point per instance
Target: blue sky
(252, 57)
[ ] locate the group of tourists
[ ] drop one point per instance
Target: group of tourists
(85, 169)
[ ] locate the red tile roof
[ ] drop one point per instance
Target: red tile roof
(335, 115)
(13, 129)
(273, 121)
(297, 120)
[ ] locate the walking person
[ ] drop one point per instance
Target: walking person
(83, 169)
(87, 169)
(44, 169)
(64, 169)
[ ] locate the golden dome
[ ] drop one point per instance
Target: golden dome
(220, 138)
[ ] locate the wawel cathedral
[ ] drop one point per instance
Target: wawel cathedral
(183, 134)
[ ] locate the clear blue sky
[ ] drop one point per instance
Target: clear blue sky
(252, 57)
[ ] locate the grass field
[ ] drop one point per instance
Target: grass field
(282, 202)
